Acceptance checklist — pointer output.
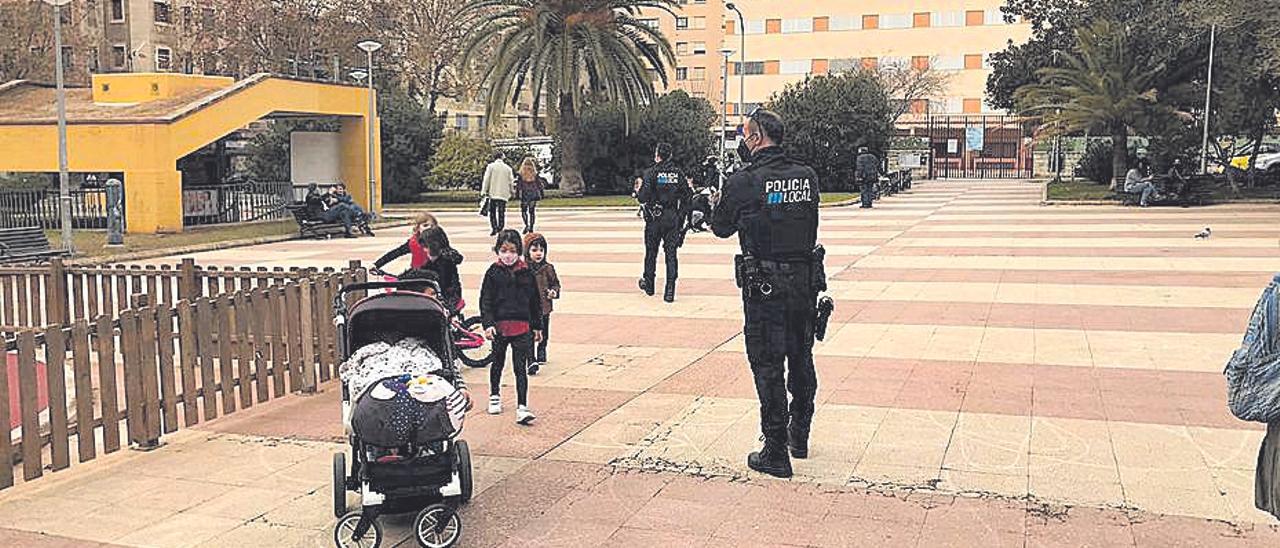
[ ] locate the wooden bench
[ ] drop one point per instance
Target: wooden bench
(25, 244)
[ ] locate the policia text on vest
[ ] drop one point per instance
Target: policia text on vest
(772, 206)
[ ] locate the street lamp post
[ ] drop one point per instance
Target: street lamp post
(64, 185)
(370, 46)
(742, 56)
(724, 112)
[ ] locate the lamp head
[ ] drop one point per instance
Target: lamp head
(730, 6)
(369, 46)
(57, 3)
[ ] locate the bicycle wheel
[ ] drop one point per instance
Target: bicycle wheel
(479, 354)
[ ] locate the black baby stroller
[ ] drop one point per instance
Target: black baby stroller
(404, 456)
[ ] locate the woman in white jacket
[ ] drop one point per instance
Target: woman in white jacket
(498, 179)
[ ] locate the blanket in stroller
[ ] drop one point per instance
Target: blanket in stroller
(374, 362)
(408, 410)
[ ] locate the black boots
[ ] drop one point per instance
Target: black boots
(646, 285)
(771, 460)
(798, 443)
(670, 294)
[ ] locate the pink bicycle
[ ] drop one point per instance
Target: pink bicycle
(468, 333)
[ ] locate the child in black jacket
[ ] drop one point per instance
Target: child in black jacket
(511, 312)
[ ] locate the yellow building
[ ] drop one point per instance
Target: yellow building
(142, 124)
(786, 41)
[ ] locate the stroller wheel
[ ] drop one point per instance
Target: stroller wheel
(344, 533)
(464, 469)
(339, 484)
(437, 526)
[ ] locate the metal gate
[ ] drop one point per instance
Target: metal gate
(979, 147)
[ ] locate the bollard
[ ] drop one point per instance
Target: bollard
(115, 212)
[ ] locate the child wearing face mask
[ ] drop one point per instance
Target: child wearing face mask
(535, 253)
(511, 312)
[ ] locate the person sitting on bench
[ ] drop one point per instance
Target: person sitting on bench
(317, 208)
(1136, 182)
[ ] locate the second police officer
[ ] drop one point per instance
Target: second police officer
(664, 193)
(772, 206)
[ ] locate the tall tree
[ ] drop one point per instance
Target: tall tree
(829, 117)
(905, 85)
(1103, 87)
(567, 50)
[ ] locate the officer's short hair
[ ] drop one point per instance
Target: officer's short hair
(663, 151)
(862, 150)
(498, 155)
(770, 124)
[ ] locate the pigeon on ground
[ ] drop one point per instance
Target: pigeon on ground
(1203, 234)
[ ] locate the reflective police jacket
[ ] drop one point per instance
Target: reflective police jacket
(664, 184)
(772, 206)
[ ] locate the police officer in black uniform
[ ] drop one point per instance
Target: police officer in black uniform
(773, 207)
(664, 194)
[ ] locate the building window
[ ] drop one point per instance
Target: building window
(682, 48)
(797, 25)
(117, 11)
(755, 27)
(164, 59)
(749, 68)
(93, 60)
(949, 62)
(845, 22)
(994, 17)
(892, 62)
(481, 123)
(65, 15)
(973, 61)
(163, 12)
(461, 121)
(118, 56)
(920, 62)
(947, 19)
(795, 66)
(681, 22)
(843, 65)
(870, 22)
(699, 48)
(68, 58)
(682, 73)
(698, 23)
(651, 23)
(921, 20)
(207, 18)
(698, 74)
(896, 21)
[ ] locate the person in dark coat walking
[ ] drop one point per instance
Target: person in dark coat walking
(868, 171)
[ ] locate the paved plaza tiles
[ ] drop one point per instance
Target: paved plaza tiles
(997, 373)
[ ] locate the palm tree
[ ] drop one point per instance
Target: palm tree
(568, 50)
(1105, 87)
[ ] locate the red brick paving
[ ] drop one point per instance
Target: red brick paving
(551, 503)
(318, 418)
(1252, 280)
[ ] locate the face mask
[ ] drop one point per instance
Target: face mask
(507, 258)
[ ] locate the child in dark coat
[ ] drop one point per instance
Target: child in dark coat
(535, 253)
(511, 312)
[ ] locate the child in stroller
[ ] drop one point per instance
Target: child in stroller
(403, 403)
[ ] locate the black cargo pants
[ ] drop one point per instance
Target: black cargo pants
(778, 330)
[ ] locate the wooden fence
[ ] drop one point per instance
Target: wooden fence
(155, 366)
(55, 293)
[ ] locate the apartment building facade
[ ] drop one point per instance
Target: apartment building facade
(785, 41)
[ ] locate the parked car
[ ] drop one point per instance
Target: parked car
(1268, 156)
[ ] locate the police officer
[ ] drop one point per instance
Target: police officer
(772, 205)
(868, 169)
(664, 193)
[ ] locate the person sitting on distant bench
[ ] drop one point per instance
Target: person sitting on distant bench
(338, 196)
(1136, 182)
(318, 208)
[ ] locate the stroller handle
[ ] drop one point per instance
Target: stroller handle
(398, 284)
